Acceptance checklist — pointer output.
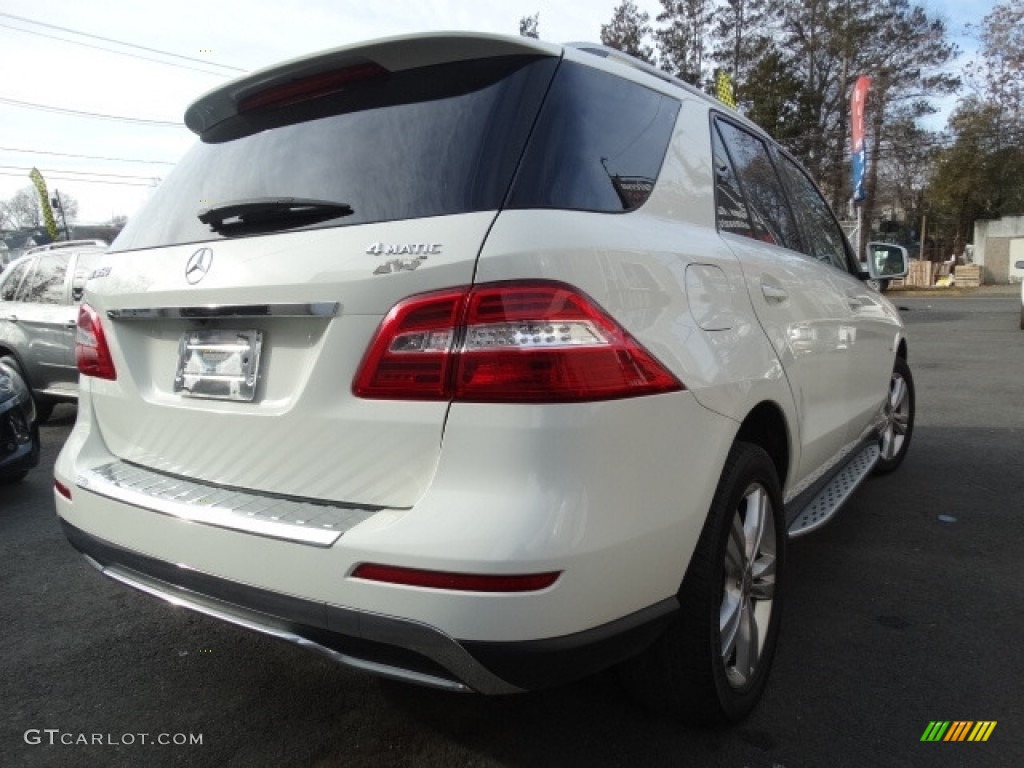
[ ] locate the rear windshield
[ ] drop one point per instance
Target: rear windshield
(429, 142)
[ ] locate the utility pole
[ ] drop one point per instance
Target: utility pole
(924, 233)
(60, 207)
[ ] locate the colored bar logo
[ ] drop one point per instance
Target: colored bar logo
(958, 730)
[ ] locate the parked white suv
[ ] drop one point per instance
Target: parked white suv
(482, 363)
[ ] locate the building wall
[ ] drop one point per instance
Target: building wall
(992, 245)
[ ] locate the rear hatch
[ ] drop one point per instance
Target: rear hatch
(240, 301)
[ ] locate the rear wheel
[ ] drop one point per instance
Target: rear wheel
(899, 419)
(711, 664)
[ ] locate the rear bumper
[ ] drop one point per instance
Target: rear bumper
(19, 439)
(384, 645)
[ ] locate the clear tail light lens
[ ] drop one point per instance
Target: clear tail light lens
(537, 342)
(92, 355)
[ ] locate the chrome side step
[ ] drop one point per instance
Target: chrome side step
(824, 506)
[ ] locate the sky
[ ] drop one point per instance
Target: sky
(125, 159)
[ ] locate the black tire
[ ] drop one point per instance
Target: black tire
(685, 672)
(44, 409)
(899, 419)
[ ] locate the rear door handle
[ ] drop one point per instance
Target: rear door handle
(13, 318)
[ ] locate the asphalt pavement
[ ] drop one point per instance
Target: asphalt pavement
(904, 610)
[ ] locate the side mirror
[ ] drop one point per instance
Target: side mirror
(887, 261)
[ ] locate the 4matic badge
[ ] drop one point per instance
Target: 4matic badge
(415, 253)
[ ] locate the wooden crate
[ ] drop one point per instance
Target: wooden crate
(921, 275)
(968, 275)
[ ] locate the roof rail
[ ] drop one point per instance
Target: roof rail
(607, 52)
(68, 244)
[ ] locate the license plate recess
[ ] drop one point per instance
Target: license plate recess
(218, 364)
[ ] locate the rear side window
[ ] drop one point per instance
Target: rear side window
(598, 146)
(770, 216)
(432, 141)
(730, 211)
(45, 283)
(11, 278)
(823, 235)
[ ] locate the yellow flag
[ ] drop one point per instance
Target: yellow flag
(723, 85)
(44, 202)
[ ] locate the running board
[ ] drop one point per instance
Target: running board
(831, 498)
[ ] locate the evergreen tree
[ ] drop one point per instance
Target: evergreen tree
(682, 43)
(628, 31)
(529, 25)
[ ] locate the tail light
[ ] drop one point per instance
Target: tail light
(536, 342)
(311, 87)
(92, 355)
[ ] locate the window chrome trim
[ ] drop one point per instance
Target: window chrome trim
(208, 311)
(298, 520)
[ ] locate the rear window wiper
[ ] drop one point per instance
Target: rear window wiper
(266, 214)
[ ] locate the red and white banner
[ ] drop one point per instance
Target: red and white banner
(859, 159)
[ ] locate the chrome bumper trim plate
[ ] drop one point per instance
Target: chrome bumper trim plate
(304, 522)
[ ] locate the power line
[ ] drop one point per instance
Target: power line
(86, 181)
(120, 42)
(111, 50)
(86, 157)
(77, 173)
(80, 113)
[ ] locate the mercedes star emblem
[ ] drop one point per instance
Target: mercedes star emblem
(198, 265)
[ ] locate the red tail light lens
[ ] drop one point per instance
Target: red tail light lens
(410, 357)
(310, 87)
(62, 489)
(537, 342)
(465, 582)
(92, 355)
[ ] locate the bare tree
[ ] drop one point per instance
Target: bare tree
(22, 211)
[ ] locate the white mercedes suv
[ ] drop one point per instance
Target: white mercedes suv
(482, 363)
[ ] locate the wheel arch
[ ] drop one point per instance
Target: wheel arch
(765, 426)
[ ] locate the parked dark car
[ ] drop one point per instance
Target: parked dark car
(39, 297)
(19, 430)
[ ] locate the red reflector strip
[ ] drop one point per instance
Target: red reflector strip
(465, 582)
(62, 489)
(310, 87)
